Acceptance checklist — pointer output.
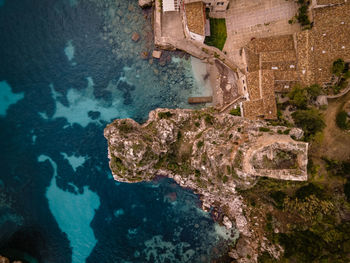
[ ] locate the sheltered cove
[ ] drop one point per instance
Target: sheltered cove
(216, 154)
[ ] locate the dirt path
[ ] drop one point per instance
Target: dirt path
(336, 143)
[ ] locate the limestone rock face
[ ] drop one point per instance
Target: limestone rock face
(145, 3)
(198, 145)
(212, 153)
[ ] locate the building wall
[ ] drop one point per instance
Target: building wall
(214, 5)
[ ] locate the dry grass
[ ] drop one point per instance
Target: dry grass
(336, 142)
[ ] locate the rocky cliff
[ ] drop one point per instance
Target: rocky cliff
(212, 153)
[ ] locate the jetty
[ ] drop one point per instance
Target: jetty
(198, 100)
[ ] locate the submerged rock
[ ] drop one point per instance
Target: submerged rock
(135, 37)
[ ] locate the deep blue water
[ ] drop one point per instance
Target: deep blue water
(67, 68)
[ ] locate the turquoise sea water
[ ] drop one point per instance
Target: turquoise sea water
(67, 68)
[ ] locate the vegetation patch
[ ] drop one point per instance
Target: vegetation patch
(342, 120)
(302, 15)
(218, 33)
(236, 111)
(264, 129)
(280, 160)
(125, 127)
(310, 121)
(164, 115)
(341, 71)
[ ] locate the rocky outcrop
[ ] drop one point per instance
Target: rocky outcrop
(145, 3)
(6, 260)
(215, 154)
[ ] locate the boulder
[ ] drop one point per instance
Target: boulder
(321, 100)
(157, 53)
(297, 133)
(145, 3)
(135, 37)
(227, 222)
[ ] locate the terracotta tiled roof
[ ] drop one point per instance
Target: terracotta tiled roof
(253, 85)
(253, 109)
(195, 17)
(267, 58)
(327, 2)
(284, 86)
(288, 75)
(286, 55)
(328, 40)
(267, 83)
(252, 59)
(280, 65)
(279, 43)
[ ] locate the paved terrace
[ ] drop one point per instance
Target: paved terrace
(256, 19)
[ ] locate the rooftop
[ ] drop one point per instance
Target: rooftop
(328, 40)
(271, 66)
(195, 15)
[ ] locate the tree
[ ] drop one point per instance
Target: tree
(341, 120)
(298, 97)
(314, 91)
(338, 67)
(311, 121)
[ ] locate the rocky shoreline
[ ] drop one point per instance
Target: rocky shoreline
(216, 155)
(6, 260)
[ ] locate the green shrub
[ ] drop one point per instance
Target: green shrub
(337, 168)
(179, 135)
(209, 119)
(302, 16)
(266, 258)
(197, 173)
(278, 197)
(264, 129)
(286, 131)
(311, 121)
(164, 115)
(309, 189)
(224, 179)
(200, 144)
(314, 91)
(236, 112)
(341, 120)
(125, 127)
(298, 97)
(338, 67)
(347, 189)
(304, 245)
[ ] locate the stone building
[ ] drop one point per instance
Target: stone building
(212, 5)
